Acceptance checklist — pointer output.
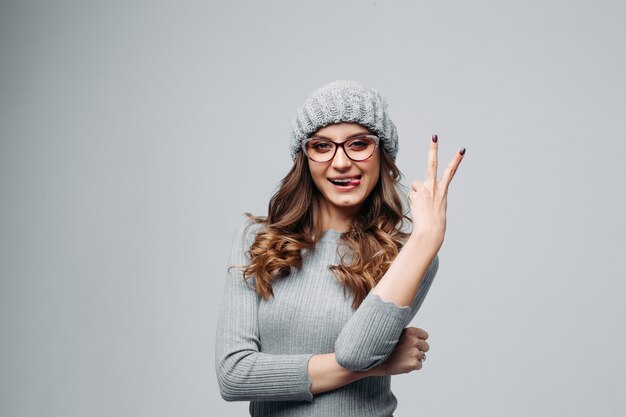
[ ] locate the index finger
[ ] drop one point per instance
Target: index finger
(421, 333)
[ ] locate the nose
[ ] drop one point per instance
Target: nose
(341, 160)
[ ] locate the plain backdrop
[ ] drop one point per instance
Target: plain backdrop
(134, 134)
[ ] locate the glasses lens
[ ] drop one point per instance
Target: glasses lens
(360, 148)
(320, 150)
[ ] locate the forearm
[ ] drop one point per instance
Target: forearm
(372, 332)
(326, 374)
(402, 280)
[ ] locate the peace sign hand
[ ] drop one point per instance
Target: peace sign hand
(429, 199)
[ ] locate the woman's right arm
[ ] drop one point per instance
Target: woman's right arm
(246, 374)
(326, 373)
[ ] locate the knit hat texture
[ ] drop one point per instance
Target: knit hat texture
(344, 101)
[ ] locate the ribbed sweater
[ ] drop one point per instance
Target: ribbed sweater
(263, 347)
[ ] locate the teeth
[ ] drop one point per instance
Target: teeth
(344, 180)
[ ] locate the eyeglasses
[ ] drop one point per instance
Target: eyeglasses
(357, 149)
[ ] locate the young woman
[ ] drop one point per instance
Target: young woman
(312, 323)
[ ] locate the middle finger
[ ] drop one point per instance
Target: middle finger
(423, 345)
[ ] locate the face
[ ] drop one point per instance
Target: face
(344, 201)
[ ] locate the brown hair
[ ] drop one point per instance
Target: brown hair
(373, 240)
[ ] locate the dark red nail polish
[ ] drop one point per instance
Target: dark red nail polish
(462, 151)
(435, 138)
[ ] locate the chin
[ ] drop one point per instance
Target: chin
(345, 202)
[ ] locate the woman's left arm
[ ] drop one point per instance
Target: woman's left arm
(373, 331)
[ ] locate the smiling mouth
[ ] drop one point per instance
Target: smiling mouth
(346, 182)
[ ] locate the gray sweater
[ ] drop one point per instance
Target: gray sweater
(263, 347)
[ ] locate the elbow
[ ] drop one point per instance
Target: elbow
(230, 385)
(227, 397)
(225, 384)
(355, 360)
(353, 364)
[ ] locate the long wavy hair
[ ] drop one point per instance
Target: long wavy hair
(293, 223)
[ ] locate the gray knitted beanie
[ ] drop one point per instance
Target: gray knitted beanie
(344, 101)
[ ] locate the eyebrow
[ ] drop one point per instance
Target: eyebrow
(351, 136)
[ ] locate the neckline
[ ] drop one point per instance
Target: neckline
(330, 235)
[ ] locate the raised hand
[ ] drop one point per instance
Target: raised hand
(429, 199)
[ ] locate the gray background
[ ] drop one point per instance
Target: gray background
(135, 133)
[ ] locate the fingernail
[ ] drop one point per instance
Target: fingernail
(435, 138)
(462, 151)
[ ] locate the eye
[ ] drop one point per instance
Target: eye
(358, 144)
(321, 146)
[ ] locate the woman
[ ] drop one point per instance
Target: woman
(313, 321)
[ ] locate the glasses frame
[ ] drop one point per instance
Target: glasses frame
(342, 144)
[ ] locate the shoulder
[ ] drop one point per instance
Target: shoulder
(246, 231)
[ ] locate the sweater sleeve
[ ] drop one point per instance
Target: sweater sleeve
(373, 331)
(243, 372)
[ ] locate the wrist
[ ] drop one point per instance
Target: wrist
(431, 241)
(378, 370)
